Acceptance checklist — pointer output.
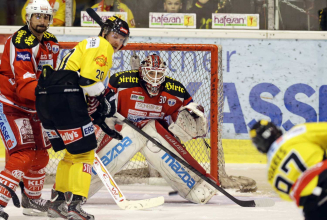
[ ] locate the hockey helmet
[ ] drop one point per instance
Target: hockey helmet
(263, 134)
(117, 25)
(153, 72)
(39, 7)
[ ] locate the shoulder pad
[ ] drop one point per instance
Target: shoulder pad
(24, 39)
(49, 37)
(125, 79)
(174, 87)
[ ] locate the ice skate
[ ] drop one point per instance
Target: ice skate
(34, 207)
(75, 211)
(58, 207)
(3, 214)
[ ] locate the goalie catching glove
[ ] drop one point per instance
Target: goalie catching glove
(190, 122)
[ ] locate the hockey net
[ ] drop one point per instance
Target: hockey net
(199, 68)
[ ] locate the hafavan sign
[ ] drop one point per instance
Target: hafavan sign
(235, 21)
(172, 20)
(86, 20)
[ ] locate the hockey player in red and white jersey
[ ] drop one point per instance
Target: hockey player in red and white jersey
(25, 52)
(146, 96)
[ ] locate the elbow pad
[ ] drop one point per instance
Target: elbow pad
(91, 87)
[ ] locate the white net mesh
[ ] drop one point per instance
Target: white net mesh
(199, 69)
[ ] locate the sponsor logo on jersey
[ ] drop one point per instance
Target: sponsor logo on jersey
(52, 134)
(172, 86)
(101, 60)
(19, 36)
(128, 79)
(115, 151)
(36, 182)
(87, 168)
(148, 107)
(46, 140)
(50, 56)
(29, 75)
(18, 174)
(88, 129)
(55, 49)
(8, 182)
(92, 42)
(137, 98)
(71, 135)
(25, 130)
(29, 40)
(43, 56)
(136, 92)
(7, 133)
(43, 62)
(135, 118)
(179, 170)
(171, 102)
(48, 35)
(134, 112)
(152, 114)
(24, 56)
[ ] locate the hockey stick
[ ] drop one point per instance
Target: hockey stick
(249, 203)
(94, 16)
(13, 195)
(115, 192)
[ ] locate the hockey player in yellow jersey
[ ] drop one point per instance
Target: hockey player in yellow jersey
(297, 165)
(65, 100)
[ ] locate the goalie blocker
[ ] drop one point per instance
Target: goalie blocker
(117, 153)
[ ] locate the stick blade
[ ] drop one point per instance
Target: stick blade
(141, 204)
(94, 16)
(264, 203)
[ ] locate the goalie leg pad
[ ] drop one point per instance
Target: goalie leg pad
(116, 154)
(189, 185)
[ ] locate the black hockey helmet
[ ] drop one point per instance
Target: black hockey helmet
(263, 134)
(117, 25)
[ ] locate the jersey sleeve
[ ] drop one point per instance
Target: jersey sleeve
(114, 82)
(25, 76)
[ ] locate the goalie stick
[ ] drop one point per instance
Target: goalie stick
(249, 203)
(115, 192)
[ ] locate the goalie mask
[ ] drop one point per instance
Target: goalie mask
(116, 25)
(263, 134)
(153, 72)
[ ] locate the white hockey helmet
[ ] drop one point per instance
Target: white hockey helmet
(39, 7)
(153, 72)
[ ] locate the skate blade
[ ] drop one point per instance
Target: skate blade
(33, 212)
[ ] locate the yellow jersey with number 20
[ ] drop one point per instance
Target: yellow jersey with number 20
(92, 58)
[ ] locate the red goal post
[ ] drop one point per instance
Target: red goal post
(197, 62)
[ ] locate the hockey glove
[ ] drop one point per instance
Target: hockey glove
(101, 120)
(112, 133)
(107, 105)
